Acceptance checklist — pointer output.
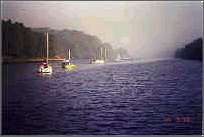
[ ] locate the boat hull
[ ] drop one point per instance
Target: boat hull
(70, 67)
(45, 69)
(98, 62)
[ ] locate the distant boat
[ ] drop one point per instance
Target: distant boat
(45, 67)
(67, 63)
(118, 59)
(126, 58)
(101, 59)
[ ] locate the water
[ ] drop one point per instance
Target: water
(133, 98)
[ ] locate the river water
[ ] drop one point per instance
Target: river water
(129, 98)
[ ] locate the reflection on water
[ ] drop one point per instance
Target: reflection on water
(152, 97)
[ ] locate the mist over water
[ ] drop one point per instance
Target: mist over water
(157, 29)
(145, 29)
(153, 94)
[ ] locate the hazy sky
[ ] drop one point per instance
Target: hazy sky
(144, 28)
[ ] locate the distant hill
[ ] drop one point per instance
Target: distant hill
(82, 45)
(20, 41)
(191, 51)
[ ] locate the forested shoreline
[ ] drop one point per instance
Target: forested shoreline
(22, 42)
(191, 51)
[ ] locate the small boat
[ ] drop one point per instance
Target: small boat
(101, 59)
(118, 59)
(67, 64)
(127, 59)
(97, 61)
(45, 67)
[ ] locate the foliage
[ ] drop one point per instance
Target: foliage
(192, 50)
(23, 42)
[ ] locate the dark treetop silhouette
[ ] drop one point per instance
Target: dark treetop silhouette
(192, 50)
(20, 41)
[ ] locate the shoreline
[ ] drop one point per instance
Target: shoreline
(7, 61)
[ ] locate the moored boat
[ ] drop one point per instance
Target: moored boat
(45, 67)
(101, 59)
(67, 63)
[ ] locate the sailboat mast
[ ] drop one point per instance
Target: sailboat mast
(104, 53)
(47, 47)
(69, 54)
(101, 53)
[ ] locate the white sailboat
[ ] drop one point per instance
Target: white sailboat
(118, 59)
(45, 67)
(101, 60)
(67, 63)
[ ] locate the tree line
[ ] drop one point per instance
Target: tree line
(191, 51)
(19, 41)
